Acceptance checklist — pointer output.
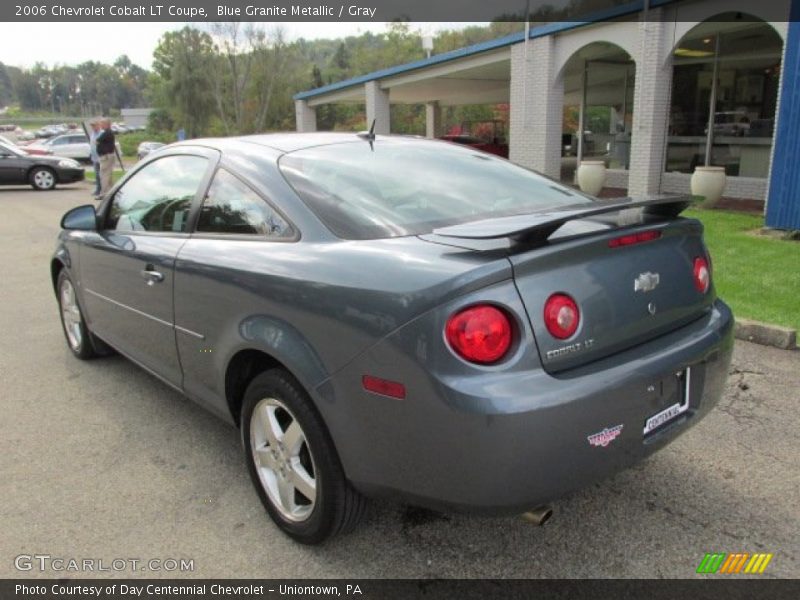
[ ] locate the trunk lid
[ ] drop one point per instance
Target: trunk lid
(626, 295)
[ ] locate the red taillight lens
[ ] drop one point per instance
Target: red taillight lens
(561, 316)
(702, 275)
(634, 238)
(479, 334)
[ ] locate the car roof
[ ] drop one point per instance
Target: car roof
(284, 142)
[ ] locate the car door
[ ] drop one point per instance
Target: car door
(13, 166)
(77, 147)
(127, 267)
(220, 277)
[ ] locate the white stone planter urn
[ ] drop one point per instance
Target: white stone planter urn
(708, 182)
(592, 176)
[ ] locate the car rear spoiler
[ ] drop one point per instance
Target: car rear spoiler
(538, 226)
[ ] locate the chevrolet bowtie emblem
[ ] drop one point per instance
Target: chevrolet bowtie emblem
(646, 282)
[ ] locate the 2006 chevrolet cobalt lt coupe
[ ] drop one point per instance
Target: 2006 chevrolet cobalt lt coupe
(390, 315)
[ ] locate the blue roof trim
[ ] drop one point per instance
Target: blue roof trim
(508, 40)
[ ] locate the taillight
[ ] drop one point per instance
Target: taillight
(702, 275)
(561, 316)
(479, 334)
(634, 238)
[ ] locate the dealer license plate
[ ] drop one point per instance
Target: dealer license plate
(671, 412)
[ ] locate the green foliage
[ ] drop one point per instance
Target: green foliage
(7, 95)
(129, 142)
(756, 275)
(160, 120)
(89, 89)
(240, 81)
(183, 61)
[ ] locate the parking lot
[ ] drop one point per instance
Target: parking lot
(100, 460)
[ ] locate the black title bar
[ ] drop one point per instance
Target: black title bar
(537, 11)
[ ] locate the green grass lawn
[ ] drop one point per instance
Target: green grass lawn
(758, 276)
(115, 176)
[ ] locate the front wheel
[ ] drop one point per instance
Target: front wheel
(43, 179)
(75, 330)
(293, 463)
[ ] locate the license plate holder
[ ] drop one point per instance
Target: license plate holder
(670, 413)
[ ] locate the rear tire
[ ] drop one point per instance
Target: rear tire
(293, 462)
(42, 179)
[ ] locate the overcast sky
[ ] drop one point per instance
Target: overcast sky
(23, 44)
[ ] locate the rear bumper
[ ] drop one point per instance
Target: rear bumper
(509, 442)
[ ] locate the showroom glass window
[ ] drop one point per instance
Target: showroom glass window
(724, 96)
(232, 207)
(158, 197)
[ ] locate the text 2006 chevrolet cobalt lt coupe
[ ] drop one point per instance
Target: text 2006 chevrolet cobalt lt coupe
(400, 317)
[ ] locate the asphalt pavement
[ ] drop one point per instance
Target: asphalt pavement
(101, 461)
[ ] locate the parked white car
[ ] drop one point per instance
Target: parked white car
(70, 145)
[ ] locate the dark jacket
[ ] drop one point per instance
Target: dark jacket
(105, 142)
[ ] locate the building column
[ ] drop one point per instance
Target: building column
(377, 107)
(783, 191)
(305, 116)
(433, 120)
(537, 99)
(651, 106)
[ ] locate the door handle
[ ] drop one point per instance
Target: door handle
(151, 275)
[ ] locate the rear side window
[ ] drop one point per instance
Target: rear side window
(232, 207)
(399, 187)
(159, 196)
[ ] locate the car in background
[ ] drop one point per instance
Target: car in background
(146, 148)
(24, 135)
(70, 145)
(399, 316)
(487, 136)
(40, 172)
(731, 122)
(7, 141)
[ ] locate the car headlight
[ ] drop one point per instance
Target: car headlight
(68, 163)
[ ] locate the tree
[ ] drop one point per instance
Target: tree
(249, 62)
(183, 61)
(6, 87)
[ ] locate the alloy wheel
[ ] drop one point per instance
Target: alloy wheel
(71, 315)
(283, 460)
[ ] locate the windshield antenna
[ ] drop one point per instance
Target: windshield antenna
(369, 135)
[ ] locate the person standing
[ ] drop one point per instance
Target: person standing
(105, 151)
(95, 126)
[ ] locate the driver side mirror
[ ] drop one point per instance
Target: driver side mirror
(80, 218)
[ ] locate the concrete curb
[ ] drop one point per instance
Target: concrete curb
(765, 334)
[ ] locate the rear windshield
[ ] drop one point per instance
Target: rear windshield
(410, 187)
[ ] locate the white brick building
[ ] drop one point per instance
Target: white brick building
(659, 75)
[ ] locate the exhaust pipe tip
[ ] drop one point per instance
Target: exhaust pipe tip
(538, 516)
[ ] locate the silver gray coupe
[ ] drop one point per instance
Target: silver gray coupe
(402, 317)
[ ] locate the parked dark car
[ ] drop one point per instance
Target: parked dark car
(41, 172)
(398, 316)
